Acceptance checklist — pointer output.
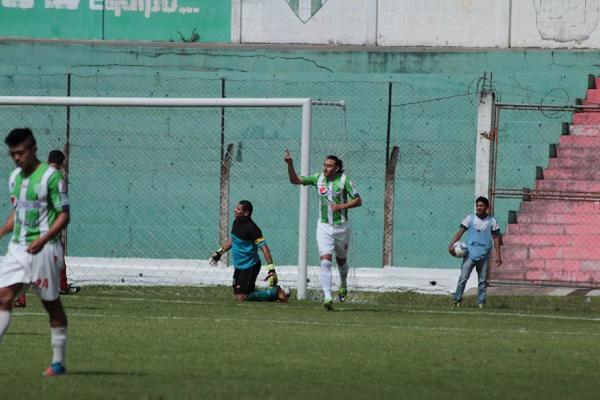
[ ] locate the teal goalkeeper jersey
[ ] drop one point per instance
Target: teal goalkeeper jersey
(329, 192)
(37, 200)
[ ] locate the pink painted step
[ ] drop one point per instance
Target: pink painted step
(529, 228)
(551, 240)
(551, 229)
(579, 152)
(578, 174)
(568, 186)
(584, 130)
(586, 118)
(561, 207)
(580, 141)
(587, 252)
(565, 219)
(571, 162)
(597, 79)
(593, 95)
(561, 253)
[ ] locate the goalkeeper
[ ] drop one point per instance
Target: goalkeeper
(245, 240)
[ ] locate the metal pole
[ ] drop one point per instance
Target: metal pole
(303, 217)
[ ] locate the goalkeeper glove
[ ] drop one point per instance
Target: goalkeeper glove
(271, 275)
(215, 257)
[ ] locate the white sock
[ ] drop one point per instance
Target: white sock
(4, 322)
(326, 278)
(344, 274)
(59, 344)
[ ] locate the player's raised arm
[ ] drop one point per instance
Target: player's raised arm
(294, 178)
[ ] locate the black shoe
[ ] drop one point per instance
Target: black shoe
(70, 289)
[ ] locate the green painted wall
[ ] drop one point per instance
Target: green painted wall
(146, 183)
(148, 20)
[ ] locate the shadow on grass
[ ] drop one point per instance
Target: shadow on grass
(26, 333)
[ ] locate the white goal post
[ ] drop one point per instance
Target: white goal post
(304, 103)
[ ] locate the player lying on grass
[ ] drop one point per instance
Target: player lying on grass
(245, 240)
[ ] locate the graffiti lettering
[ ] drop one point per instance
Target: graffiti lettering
(24, 4)
(68, 4)
(146, 6)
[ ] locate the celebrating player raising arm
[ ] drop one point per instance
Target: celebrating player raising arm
(336, 195)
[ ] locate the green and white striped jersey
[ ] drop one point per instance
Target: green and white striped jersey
(331, 192)
(37, 199)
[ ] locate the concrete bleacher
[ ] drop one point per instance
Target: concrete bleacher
(558, 240)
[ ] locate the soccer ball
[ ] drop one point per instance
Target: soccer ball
(460, 249)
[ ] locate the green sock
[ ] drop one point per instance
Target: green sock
(269, 294)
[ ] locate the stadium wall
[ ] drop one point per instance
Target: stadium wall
(449, 23)
(434, 112)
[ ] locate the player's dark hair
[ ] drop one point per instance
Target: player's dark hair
(338, 162)
(56, 157)
(483, 200)
(246, 206)
(18, 136)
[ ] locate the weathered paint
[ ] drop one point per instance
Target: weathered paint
(433, 123)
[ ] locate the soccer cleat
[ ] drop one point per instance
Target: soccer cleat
(480, 305)
(328, 305)
(342, 295)
(70, 289)
(457, 304)
(55, 369)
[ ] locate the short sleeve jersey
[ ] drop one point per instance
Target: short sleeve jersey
(246, 239)
(329, 192)
(37, 200)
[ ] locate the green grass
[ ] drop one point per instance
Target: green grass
(187, 343)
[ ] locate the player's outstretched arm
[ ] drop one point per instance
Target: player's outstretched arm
(455, 239)
(294, 178)
(216, 256)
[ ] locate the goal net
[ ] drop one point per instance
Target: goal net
(153, 181)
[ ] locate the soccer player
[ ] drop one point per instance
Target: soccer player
(38, 194)
(336, 195)
(246, 238)
(481, 231)
(56, 159)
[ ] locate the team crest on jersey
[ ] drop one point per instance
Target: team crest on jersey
(322, 190)
(305, 9)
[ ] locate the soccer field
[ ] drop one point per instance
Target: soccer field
(190, 343)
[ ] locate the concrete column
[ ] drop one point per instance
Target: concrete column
(485, 136)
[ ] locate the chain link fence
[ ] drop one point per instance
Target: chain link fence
(546, 193)
(145, 183)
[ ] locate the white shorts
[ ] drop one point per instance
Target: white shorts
(42, 270)
(333, 239)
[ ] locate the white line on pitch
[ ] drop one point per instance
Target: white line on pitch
(318, 323)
